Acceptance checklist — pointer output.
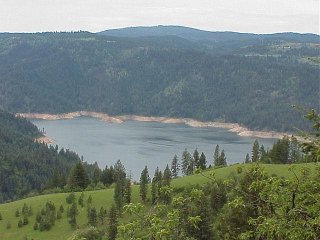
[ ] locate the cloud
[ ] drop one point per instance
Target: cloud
(96, 15)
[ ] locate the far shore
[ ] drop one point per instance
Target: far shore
(232, 127)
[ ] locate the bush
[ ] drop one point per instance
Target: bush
(70, 198)
(8, 225)
(90, 233)
(20, 223)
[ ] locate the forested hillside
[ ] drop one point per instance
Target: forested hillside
(27, 166)
(250, 81)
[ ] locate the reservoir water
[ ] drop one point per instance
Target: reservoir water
(138, 144)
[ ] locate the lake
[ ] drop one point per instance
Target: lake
(138, 144)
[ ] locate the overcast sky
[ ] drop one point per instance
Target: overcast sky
(258, 16)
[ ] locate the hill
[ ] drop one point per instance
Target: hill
(104, 198)
(201, 35)
(251, 82)
(27, 166)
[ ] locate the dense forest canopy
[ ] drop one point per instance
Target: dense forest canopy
(242, 78)
(25, 165)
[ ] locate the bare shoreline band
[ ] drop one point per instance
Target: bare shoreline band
(232, 127)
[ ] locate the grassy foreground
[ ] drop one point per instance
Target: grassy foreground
(62, 229)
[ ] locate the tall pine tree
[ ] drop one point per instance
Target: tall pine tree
(144, 180)
(175, 167)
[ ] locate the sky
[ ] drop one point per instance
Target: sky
(256, 16)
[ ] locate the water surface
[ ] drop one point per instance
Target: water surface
(138, 144)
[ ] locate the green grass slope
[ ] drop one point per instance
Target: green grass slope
(104, 198)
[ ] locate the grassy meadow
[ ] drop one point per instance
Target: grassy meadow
(104, 198)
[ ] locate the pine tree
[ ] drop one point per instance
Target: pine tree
(166, 179)
(96, 175)
(107, 176)
(25, 210)
(295, 154)
(78, 178)
(175, 167)
(262, 153)
(216, 156)
(202, 162)
(156, 186)
(89, 200)
(255, 151)
(102, 215)
(127, 191)
(81, 200)
(61, 209)
(71, 198)
(186, 163)
(73, 212)
(222, 159)
(92, 216)
(120, 186)
(247, 159)
(113, 223)
(17, 213)
(20, 223)
(144, 180)
(196, 158)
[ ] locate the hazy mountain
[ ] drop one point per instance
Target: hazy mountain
(201, 35)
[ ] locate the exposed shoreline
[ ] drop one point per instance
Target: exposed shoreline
(232, 127)
(44, 139)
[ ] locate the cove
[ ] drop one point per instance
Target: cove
(138, 144)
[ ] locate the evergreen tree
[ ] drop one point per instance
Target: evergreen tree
(247, 159)
(78, 178)
(59, 215)
(144, 180)
(102, 215)
(25, 220)
(17, 213)
(196, 158)
(295, 154)
(107, 176)
(89, 200)
(175, 167)
(20, 223)
(113, 223)
(166, 179)
(71, 198)
(156, 185)
(216, 156)
(202, 161)
(61, 209)
(81, 200)
(127, 191)
(186, 163)
(92, 216)
(280, 151)
(96, 175)
(25, 210)
(262, 153)
(72, 213)
(120, 184)
(222, 159)
(255, 152)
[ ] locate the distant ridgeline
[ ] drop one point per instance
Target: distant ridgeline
(164, 71)
(27, 166)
